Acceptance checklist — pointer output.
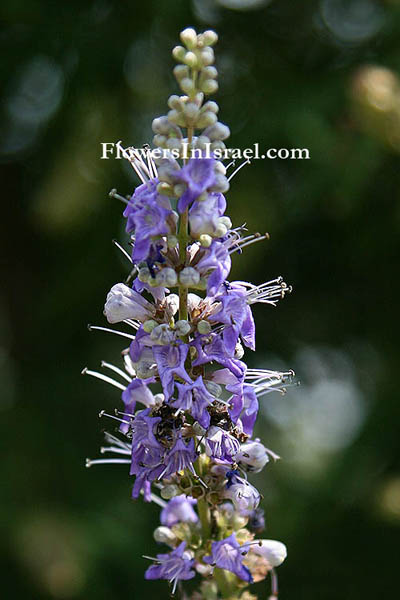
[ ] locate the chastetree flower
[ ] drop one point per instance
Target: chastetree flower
(189, 403)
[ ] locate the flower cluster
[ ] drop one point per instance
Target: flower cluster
(189, 401)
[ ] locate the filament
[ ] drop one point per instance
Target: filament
(116, 370)
(121, 333)
(109, 380)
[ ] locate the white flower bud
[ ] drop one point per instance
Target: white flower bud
(221, 184)
(211, 105)
(219, 167)
(220, 230)
(209, 73)
(162, 334)
(179, 53)
(189, 276)
(219, 131)
(207, 56)
(165, 535)
(209, 37)
(191, 110)
(161, 125)
(182, 327)
(203, 327)
(205, 240)
(217, 145)
(189, 37)
(174, 102)
(206, 119)
(190, 59)
(273, 551)
(181, 71)
(149, 325)
(166, 277)
(170, 491)
(226, 221)
(187, 85)
(252, 456)
(176, 117)
(209, 86)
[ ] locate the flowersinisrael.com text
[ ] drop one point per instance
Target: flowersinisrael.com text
(115, 150)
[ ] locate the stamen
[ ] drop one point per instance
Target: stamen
(116, 384)
(113, 194)
(246, 162)
(134, 324)
(274, 584)
(121, 333)
(104, 461)
(248, 241)
(114, 449)
(124, 252)
(116, 370)
(103, 413)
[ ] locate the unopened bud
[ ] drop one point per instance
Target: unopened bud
(179, 53)
(174, 101)
(209, 86)
(206, 119)
(181, 71)
(149, 325)
(162, 334)
(209, 37)
(182, 327)
(165, 535)
(190, 59)
(207, 56)
(187, 85)
(167, 277)
(173, 143)
(220, 230)
(189, 276)
(189, 38)
(191, 110)
(169, 491)
(205, 240)
(203, 327)
(144, 274)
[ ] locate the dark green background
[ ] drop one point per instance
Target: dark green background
(74, 74)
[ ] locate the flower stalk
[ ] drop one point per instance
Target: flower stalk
(189, 402)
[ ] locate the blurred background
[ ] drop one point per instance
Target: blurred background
(322, 75)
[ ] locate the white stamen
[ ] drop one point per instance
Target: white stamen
(116, 370)
(114, 449)
(103, 413)
(116, 384)
(104, 461)
(121, 333)
(246, 162)
(124, 252)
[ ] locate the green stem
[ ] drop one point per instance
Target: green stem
(183, 237)
(205, 518)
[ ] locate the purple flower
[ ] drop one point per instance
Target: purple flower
(137, 391)
(211, 348)
(170, 362)
(199, 174)
(245, 408)
(174, 566)
(147, 215)
(124, 303)
(179, 510)
(204, 214)
(180, 457)
(235, 314)
(216, 264)
(147, 452)
(194, 397)
(227, 554)
(221, 445)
